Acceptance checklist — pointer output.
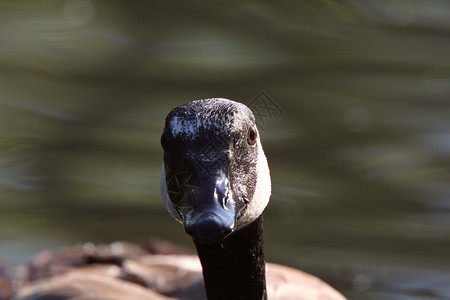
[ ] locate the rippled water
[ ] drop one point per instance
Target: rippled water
(358, 143)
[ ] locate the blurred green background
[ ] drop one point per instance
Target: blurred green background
(360, 157)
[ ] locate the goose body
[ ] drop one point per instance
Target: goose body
(215, 181)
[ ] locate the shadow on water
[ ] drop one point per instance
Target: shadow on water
(359, 154)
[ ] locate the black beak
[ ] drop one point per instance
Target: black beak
(211, 215)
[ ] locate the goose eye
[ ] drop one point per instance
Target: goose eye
(251, 136)
(164, 142)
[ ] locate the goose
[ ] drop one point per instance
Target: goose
(215, 181)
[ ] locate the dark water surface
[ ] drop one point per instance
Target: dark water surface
(359, 143)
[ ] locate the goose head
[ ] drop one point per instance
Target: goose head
(215, 178)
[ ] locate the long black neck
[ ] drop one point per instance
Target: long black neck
(235, 267)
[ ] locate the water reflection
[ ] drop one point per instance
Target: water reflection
(78, 12)
(400, 12)
(359, 157)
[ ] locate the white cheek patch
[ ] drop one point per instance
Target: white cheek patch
(262, 193)
(165, 196)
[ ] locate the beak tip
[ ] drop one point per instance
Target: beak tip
(209, 228)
